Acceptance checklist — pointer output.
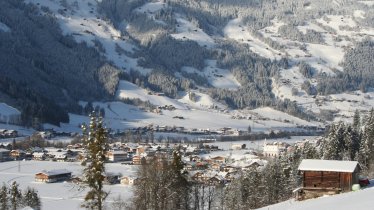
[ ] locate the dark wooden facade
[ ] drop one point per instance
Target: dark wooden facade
(50, 177)
(341, 181)
(318, 183)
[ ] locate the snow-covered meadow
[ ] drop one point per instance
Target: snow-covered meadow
(62, 195)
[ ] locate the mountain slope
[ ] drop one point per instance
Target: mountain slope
(288, 55)
(45, 71)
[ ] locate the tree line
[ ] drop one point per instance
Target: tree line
(12, 198)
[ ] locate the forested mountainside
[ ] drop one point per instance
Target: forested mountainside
(45, 72)
(243, 54)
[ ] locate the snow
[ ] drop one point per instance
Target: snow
(330, 54)
(359, 200)
(151, 7)
(4, 27)
(235, 30)
(122, 116)
(83, 22)
(202, 101)
(328, 165)
(256, 144)
(368, 3)
(130, 90)
(7, 110)
(217, 77)
(55, 172)
(359, 14)
(220, 78)
(62, 195)
(186, 30)
(276, 115)
(336, 21)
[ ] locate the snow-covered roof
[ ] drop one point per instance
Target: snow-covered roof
(4, 150)
(328, 165)
(38, 154)
(55, 172)
(117, 152)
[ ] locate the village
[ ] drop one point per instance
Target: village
(205, 163)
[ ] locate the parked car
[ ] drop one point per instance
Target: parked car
(363, 181)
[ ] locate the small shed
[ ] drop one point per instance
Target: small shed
(324, 177)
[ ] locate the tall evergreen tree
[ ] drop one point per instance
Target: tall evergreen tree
(15, 196)
(4, 198)
(331, 145)
(356, 120)
(180, 183)
(31, 199)
(95, 144)
(366, 153)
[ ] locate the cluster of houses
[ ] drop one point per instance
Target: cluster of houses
(219, 170)
(204, 164)
(4, 133)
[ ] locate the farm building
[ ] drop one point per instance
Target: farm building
(53, 176)
(126, 180)
(17, 154)
(115, 156)
(4, 154)
(326, 177)
(39, 156)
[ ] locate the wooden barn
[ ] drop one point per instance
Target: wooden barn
(53, 176)
(326, 177)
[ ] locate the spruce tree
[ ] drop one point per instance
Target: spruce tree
(15, 196)
(31, 199)
(356, 120)
(366, 151)
(180, 184)
(4, 199)
(95, 144)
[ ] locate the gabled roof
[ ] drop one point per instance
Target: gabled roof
(328, 165)
(55, 172)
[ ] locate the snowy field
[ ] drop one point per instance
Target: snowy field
(258, 144)
(234, 30)
(217, 77)
(189, 31)
(63, 195)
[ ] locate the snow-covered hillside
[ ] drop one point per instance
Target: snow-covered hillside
(6, 110)
(81, 19)
(9, 115)
(360, 200)
(319, 42)
(4, 27)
